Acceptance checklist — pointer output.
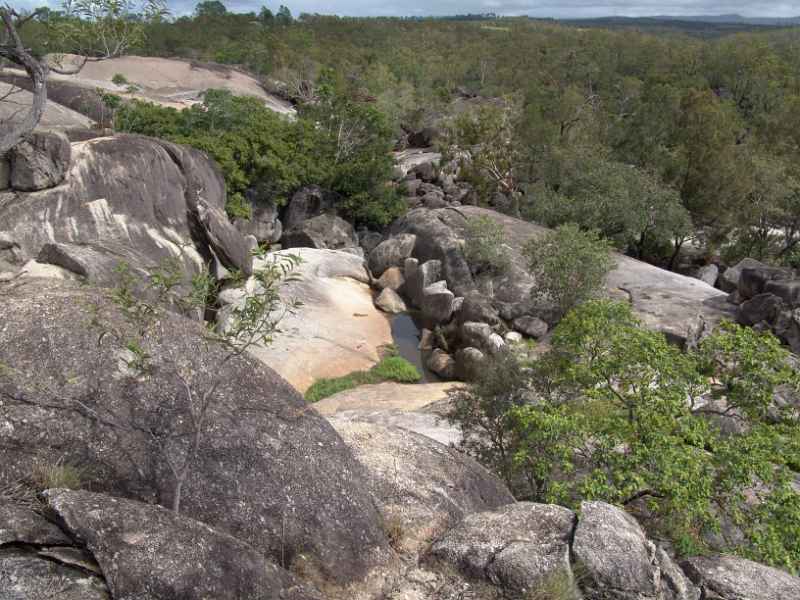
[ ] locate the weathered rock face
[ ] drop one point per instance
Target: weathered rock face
(518, 546)
(40, 161)
(20, 524)
(336, 331)
(148, 552)
(264, 224)
(390, 301)
(754, 280)
(420, 485)
(621, 563)
(306, 203)
(391, 253)
(127, 199)
(25, 575)
(70, 390)
(729, 280)
(731, 578)
(321, 232)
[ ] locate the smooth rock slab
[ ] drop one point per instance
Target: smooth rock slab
(420, 485)
(151, 553)
(516, 546)
(390, 301)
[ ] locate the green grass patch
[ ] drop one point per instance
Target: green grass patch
(390, 368)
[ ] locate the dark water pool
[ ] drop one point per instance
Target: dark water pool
(405, 332)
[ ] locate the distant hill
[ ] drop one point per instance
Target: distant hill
(697, 25)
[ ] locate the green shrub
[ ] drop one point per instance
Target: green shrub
(256, 147)
(484, 245)
(569, 265)
(390, 368)
(56, 475)
(119, 79)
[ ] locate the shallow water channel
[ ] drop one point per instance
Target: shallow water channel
(406, 332)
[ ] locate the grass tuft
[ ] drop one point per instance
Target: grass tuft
(390, 368)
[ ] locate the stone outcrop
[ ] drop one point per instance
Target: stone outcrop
(324, 231)
(421, 486)
(391, 253)
(40, 161)
(148, 551)
(307, 202)
(74, 392)
(518, 547)
(732, 578)
(336, 331)
(25, 574)
(126, 199)
(620, 562)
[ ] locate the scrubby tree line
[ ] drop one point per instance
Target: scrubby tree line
(657, 140)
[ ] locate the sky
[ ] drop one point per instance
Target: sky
(542, 8)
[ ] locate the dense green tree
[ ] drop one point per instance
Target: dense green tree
(210, 8)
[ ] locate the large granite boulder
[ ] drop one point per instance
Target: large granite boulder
(263, 224)
(421, 486)
(620, 562)
(131, 199)
(729, 279)
(391, 253)
(306, 203)
(40, 161)
(519, 546)
(754, 280)
(150, 552)
(321, 232)
(336, 331)
(732, 578)
(20, 524)
(266, 469)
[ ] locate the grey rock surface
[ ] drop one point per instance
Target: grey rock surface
(732, 578)
(40, 161)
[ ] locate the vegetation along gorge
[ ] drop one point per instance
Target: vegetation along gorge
(477, 307)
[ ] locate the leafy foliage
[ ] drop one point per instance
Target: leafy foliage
(616, 413)
(256, 148)
(484, 245)
(569, 265)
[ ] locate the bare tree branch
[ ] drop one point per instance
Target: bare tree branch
(14, 50)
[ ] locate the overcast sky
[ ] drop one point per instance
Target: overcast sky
(543, 8)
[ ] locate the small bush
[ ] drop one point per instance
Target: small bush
(558, 585)
(569, 265)
(119, 79)
(484, 245)
(56, 475)
(390, 368)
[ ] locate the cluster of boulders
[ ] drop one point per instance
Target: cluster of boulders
(768, 298)
(466, 315)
